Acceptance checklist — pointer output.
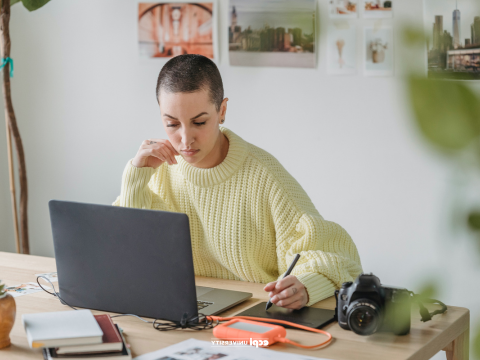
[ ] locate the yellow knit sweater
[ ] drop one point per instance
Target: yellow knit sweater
(248, 218)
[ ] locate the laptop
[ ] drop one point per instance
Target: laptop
(130, 261)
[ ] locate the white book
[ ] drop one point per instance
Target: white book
(62, 328)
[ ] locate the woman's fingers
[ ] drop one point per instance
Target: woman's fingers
(290, 297)
(283, 284)
(167, 153)
(152, 152)
(270, 286)
(289, 293)
(296, 305)
(167, 143)
(161, 149)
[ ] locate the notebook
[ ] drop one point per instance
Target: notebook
(62, 328)
(125, 354)
(111, 340)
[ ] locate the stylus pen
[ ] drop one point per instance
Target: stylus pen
(290, 268)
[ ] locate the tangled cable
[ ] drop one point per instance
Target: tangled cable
(200, 322)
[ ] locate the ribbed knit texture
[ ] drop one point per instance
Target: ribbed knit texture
(248, 218)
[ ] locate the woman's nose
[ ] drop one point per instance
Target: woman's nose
(187, 139)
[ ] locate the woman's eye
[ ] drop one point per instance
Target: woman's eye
(202, 123)
(172, 125)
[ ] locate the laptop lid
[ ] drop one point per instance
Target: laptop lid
(124, 260)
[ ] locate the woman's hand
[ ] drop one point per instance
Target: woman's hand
(289, 293)
(154, 152)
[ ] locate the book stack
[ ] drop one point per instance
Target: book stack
(76, 335)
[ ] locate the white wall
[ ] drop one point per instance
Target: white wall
(85, 102)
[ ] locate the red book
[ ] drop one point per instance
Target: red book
(111, 340)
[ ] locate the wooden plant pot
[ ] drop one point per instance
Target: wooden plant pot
(7, 318)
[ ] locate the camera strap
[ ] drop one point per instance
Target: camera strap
(424, 313)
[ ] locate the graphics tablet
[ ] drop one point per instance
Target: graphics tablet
(307, 316)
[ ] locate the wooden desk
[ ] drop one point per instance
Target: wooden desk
(449, 331)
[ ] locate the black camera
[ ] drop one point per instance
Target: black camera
(365, 307)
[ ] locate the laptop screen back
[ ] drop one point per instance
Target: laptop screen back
(124, 260)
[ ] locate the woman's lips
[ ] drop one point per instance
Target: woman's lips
(190, 152)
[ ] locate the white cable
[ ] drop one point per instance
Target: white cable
(65, 303)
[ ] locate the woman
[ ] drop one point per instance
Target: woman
(248, 216)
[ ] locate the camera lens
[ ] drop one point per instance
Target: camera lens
(364, 317)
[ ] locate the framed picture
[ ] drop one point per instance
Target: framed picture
(343, 9)
(378, 9)
(171, 28)
(453, 39)
(378, 50)
(342, 48)
(272, 33)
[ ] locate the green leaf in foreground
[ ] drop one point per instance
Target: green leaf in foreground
(414, 36)
(476, 343)
(429, 290)
(32, 5)
(447, 112)
(474, 220)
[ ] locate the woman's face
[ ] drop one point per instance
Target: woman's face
(191, 123)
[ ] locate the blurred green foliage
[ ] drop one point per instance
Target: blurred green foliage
(448, 116)
(428, 291)
(474, 220)
(413, 36)
(447, 112)
(476, 343)
(31, 5)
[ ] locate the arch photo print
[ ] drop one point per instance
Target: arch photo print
(175, 28)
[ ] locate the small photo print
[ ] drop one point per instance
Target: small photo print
(378, 9)
(52, 276)
(168, 29)
(342, 48)
(272, 33)
(378, 48)
(343, 9)
(24, 289)
(453, 39)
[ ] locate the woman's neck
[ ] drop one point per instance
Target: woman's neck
(217, 155)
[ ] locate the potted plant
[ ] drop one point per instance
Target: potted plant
(7, 316)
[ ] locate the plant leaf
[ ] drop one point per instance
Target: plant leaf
(447, 112)
(429, 290)
(474, 220)
(476, 343)
(32, 5)
(414, 36)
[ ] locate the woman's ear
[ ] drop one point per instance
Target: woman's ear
(223, 109)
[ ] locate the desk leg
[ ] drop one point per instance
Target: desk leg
(458, 348)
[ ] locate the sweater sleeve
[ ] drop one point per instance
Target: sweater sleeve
(136, 191)
(328, 255)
